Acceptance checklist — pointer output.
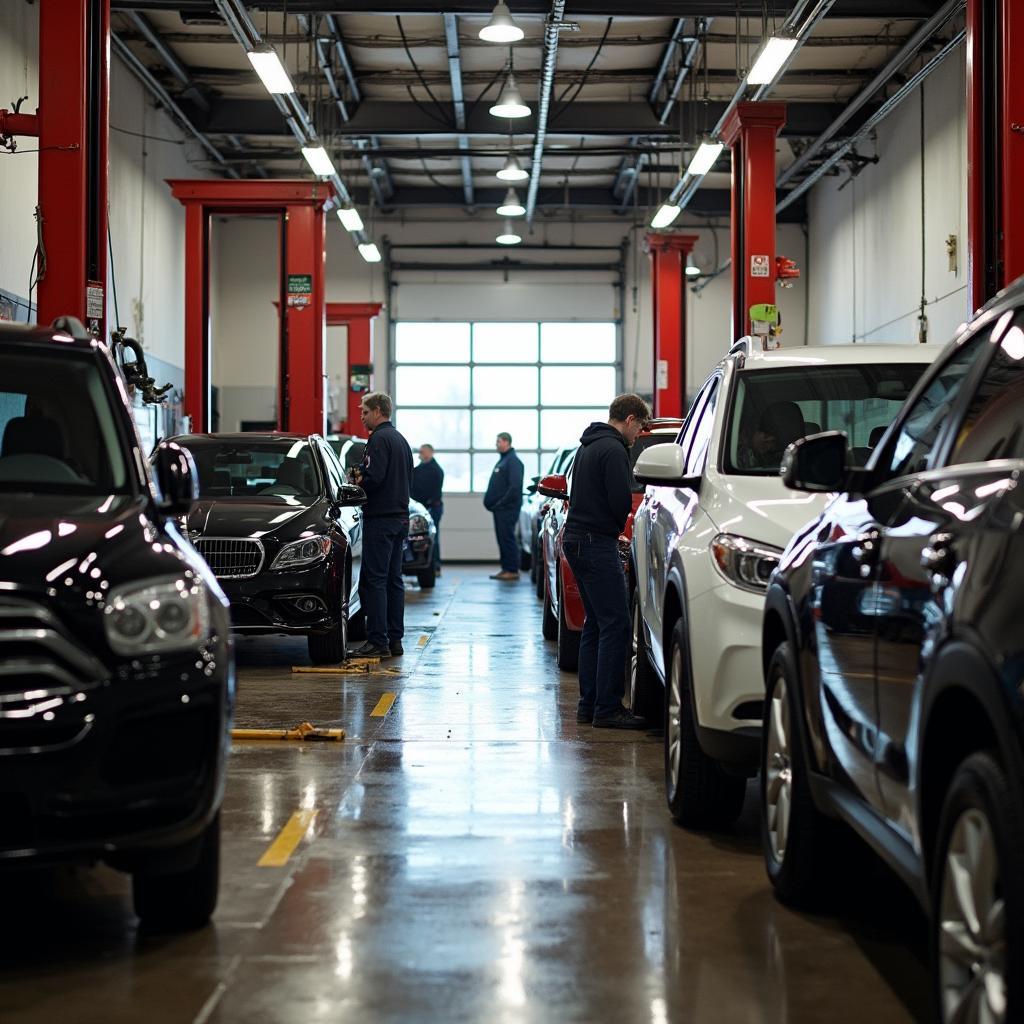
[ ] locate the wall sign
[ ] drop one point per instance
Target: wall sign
(300, 290)
(759, 266)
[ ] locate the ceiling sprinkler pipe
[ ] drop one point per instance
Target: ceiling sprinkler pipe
(551, 29)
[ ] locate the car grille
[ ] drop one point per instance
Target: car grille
(231, 558)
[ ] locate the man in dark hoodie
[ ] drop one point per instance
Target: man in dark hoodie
(600, 501)
(503, 498)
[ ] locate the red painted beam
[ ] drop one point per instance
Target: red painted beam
(1012, 127)
(18, 124)
(358, 317)
(668, 252)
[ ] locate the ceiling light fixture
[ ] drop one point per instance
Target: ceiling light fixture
(769, 61)
(510, 205)
(350, 219)
(508, 235)
(513, 170)
(370, 252)
(273, 74)
(705, 157)
(318, 160)
(501, 28)
(691, 269)
(510, 102)
(666, 213)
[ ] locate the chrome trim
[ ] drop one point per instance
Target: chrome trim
(197, 541)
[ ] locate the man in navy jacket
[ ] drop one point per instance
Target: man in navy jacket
(427, 488)
(503, 498)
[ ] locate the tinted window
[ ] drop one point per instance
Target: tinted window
(696, 445)
(248, 469)
(774, 408)
(333, 467)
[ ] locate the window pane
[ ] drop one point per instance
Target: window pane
(520, 423)
(561, 427)
(456, 470)
(484, 463)
(431, 343)
(505, 385)
(443, 428)
(564, 385)
(504, 343)
(431, 385)
(577, 343)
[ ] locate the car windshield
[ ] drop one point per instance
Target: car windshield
(247, 469)
(774, 408)
(58, 431)
(643, 442)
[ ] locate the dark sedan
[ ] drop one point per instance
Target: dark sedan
(279, 526)
(894, 661)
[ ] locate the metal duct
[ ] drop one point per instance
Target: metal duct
(551, 27)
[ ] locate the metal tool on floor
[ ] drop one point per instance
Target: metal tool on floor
(304, 731)
(354, 666)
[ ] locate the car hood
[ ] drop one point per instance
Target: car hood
(247, 518)
(759, 508)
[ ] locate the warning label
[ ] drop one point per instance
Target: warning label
(759, 266)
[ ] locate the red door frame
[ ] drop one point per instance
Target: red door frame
(668, 252)
(300, 207)
(358, 317)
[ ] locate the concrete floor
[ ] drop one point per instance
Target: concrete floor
(473, 855)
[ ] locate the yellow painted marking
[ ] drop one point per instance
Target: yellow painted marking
(277, 853)
(423, 640)
(383, 706)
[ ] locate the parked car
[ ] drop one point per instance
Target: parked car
(563, 616)
(279, 526)
(531, 512)
(418, 549)
(710, 531)
(116, 659)
(894, 659)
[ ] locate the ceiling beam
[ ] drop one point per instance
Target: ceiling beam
(451, 35)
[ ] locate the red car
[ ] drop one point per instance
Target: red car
(563, 608)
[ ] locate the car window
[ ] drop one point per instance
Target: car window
(333, 467)
(693, 416)
(642, 443)
(993, 426)
(775, 407)
(243, 469)
(696, 453)
(923, 422)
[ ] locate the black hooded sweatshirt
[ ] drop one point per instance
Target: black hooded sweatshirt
(602, 496)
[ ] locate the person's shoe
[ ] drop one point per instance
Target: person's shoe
(397, 650)
(437, 570)
(503, 575)
(584, 717)
(371, 650)
(621, 719)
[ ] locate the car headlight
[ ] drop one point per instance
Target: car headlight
(418, 524)
(160, 615)
(744, 563)
(302, 553)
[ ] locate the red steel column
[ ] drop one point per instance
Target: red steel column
(750, 133)
(196, 403)
(668, 279)
(74, 87)
(358, 317)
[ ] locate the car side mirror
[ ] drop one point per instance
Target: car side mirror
(664, 465)
(176, 479)
(554, 486)
(819, 463)
(350, 496)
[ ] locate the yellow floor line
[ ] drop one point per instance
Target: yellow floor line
(383, 706)
(277, 853)
(423, 640)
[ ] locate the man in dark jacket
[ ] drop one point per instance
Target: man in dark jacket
(427, 485)
(600, 501)
(503, 498)
(385, 474)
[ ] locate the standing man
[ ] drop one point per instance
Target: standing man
(599, 504)
(427, 484)
(385, 474)
(503, 498)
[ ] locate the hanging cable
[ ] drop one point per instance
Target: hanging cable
(922, 334)
(113, 275)
(419, 74)
(487, 88)
(583, 79)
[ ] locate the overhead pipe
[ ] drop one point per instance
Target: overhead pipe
(168, 56)
(451, 35)
(547, 81)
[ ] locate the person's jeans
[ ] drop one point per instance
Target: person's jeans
(595, 563)
(505, 520)
(381, 589)
(436, 511)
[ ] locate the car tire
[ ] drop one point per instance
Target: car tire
(182, 900)
(699, 793)
(533, 561)
(427, 580)
(542, 572)
(977, 920)
(525, 561)
(548, 620)
(357, 626)
(330, 648)
(798, 841)
(568, 651)
(644, 692)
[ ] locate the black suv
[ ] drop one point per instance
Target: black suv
(116, 664)
(894, 661)
(278, 523)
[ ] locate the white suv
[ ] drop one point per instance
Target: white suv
(714, 520)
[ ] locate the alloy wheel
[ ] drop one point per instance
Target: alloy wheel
(673, 727)
(778, 771)
(972, 925)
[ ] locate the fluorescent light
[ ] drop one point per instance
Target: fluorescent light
(501, 28)
(705, 157)
(665, 215)
(510, 102)
(769, 61)
(508, 235)
(369, 252)
(510, 205)
(513, 170)
(318, 160)
(350, 219)
(272, 72)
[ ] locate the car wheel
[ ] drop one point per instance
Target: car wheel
(357, 626)
(548, 622)
(330, 648)
(427, 580)
(525, 561)
(533, 561)
(699, 793)
(643, 688)
(568, 652)
(797, 840)
(978, 898)
(181, 900)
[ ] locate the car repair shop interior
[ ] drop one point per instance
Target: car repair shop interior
(790, 228)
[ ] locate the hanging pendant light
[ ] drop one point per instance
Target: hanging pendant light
(510, 205)
(508, 235)
(501, 28)
(510, 102)
(513, 170)
(691, 269)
